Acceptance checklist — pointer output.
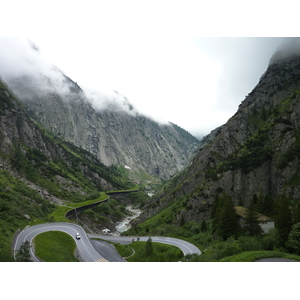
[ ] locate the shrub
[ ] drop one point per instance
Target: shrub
(270, 241)
(293, 242)
(248, 243)
(232, 247)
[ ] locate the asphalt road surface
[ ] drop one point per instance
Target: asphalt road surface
(107, 251)
(89, 250)
(186, 247)
(84, 247)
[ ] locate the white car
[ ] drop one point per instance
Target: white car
(77, 236)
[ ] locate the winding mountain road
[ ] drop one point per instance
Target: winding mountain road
(185, 247)
(84, 246)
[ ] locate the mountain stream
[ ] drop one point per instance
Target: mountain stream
(124, 224)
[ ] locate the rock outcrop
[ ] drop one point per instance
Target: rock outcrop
(255, 152)
(44, 162)
(114, 136)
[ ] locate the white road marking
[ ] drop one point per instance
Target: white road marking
(185, 247)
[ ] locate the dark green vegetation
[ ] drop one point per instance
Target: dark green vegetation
(222, 235)
(124, 250)
(55, 246)
(252, 162)
(61, 179)
(243, 248)
(148, 248)
(250, 256)
(259, 148)
(46, 167)
(224, 219)
(106, 214)
(150, 252)
(23, 254)
(19, 205)
(160, 253)
(63, 169)
(60, 213)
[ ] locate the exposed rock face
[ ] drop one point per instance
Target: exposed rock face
(256, 151)
(22, 141)
(115, 137)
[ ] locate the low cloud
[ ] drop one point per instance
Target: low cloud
(109, 100)
(288, 48)
(25, 70)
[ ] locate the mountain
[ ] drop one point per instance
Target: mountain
(255, 154)
(30, 151)
(40, 172)
(116, 134)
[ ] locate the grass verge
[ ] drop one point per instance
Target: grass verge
(59, 215)
(55, 246)
(135, 252)
(124, 250)
(161, 253)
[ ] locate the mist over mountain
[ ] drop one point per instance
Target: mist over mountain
(255, 154)
(61, 144)
(105, 124)
(30, 75)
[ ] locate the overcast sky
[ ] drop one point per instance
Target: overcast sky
(200, 81)
(196, 83)
(143, 52)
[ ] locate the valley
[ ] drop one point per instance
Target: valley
(115, 173)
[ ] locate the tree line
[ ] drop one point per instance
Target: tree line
(284, 211)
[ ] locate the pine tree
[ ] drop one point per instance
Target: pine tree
(24, 254)
(251, 222)
(269, 206)
(203, 226)
(215, 206)
(293, 242)
(260, 202)
(226, 220)
(215, 212)
(283, 220)
(296, 213)
(182, 221)
(255, 202)
(148, 247)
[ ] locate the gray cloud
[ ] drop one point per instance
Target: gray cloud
(153, 76)
(288, 48)
(112, 101)
(21, 61)
(243, 62)
(30, 75)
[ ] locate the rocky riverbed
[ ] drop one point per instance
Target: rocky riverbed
(124, 224)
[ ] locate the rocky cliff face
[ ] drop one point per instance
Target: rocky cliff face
(42, 161)
(114, 136)
(255, 152)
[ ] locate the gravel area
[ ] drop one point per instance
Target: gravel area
(275, 259)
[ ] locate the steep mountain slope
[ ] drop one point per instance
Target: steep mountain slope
(39, 171)
(116, 137)
(255, 153)
(29, 150)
